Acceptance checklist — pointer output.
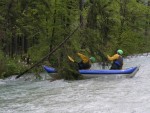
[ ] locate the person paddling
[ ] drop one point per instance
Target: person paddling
(117, 60)
(85, 62)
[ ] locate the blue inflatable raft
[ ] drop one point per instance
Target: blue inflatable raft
(129, 72)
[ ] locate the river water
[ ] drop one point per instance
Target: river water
(97, 95)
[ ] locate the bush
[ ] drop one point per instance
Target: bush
(13, 67)
(2, 66)
(9, 66)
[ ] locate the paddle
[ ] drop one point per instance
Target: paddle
(71, 59)
(104, 59)
(50, 53)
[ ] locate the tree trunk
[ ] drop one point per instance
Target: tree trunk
(91, 18)
(147, 21)
(123, 11)
(81, 3)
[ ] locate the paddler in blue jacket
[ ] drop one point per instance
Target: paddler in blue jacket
(117, 60)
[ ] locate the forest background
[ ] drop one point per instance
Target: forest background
(30, 29)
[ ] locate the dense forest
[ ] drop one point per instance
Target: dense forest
(30, 29)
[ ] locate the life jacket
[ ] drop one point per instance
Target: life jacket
(86, 65)
(119, 61)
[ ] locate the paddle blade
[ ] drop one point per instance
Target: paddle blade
(71, 59)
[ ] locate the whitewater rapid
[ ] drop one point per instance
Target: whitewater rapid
(98, 95)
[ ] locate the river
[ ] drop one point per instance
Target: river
(97, 95)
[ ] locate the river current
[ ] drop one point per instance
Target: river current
(96, 95)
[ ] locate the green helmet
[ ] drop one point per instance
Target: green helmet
(119, 51)
(92, 59)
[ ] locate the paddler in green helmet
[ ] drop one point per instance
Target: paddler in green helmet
(117, 60)
(85, 62)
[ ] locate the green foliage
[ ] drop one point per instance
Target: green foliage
(9, 66)
(13, 67)
(2, 66)
(37, 55)
(39, 26)
(131, 42)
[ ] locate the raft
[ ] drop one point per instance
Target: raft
(129, 72)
